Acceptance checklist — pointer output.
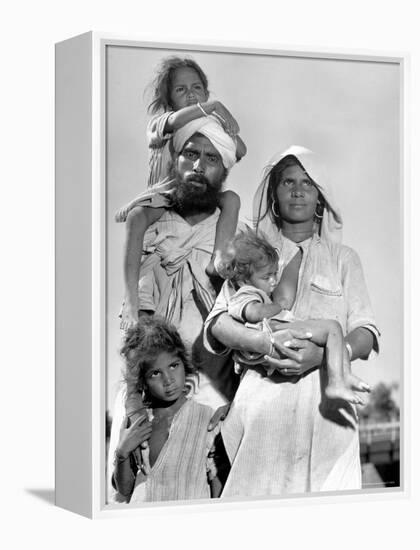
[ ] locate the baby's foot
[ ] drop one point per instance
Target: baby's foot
(340, 391)
(355, 383)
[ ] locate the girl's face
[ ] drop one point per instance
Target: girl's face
(186, 89)
(296, 195)
(165, 379)
(265, 278)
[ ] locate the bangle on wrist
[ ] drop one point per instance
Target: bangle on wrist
(201, 109)
(349, 349)
(118, 458)
(267, 329)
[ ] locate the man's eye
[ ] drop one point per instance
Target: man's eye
(212, 159)
(190, 154)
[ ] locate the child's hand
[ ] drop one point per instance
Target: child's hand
(228, 122)
(220, 414)
(133, 436)
(129, 316)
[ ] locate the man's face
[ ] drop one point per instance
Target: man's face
(200, 173)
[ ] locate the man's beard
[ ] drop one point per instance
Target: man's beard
(189, 199)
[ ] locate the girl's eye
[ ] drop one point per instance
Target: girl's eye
(286, 183)
(174, 366)
(308, 183)
(179, 89)
(154, 373)
(198, 87)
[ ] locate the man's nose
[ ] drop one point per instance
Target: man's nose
(198, 165)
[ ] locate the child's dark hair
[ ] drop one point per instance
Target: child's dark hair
(151, 336)
(246, 253)
(162, 83)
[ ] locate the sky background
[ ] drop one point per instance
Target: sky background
(346, 111)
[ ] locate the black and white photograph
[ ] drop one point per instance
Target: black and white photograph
(210, 275)
(254, 274)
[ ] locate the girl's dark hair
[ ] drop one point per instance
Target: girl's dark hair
(273, 181)
(143, 343)
(246, 253)
(162, 83)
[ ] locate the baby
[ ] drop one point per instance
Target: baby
(250, 265)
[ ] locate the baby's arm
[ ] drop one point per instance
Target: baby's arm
(138, 221)
(254, 312)
(229, 204)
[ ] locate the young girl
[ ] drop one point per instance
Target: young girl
(175, 461)
(250, 265)
(180, 96)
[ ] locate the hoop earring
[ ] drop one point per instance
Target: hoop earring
(318, 217)
(275, 214)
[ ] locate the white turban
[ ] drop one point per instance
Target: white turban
(211, 128)
(332, 223)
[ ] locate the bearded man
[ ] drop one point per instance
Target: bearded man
(175, 248)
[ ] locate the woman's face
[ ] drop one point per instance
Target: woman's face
(296, 195)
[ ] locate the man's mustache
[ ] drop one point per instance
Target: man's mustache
(199, 178)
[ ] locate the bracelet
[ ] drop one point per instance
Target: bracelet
(118, 458)
(270, 334)
(201, 109)
(348, 346)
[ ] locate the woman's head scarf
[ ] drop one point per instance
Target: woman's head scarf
(331, 224)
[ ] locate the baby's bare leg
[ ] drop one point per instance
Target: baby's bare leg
(341, 382)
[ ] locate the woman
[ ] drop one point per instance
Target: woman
(281, 436)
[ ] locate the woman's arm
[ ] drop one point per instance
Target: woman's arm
(235, 335)
(360, 341)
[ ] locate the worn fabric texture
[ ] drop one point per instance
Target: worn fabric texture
(183, 466)
(160, 157)
(281, 436)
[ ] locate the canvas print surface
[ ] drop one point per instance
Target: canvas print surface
(254, 303)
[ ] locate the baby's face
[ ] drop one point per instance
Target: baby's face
(265, 278)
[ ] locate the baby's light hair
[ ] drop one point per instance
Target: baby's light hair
(246, 254)
(162, 82)
(142, 343)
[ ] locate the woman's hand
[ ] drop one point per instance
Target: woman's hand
(133, 436)
(219, 416)
(297, 354)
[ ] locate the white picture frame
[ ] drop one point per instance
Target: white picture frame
(81, 272)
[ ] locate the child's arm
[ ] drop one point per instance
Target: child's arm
(130, 439)
(138, 221)
(229, 204)
(254, 312)
(240, 148)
